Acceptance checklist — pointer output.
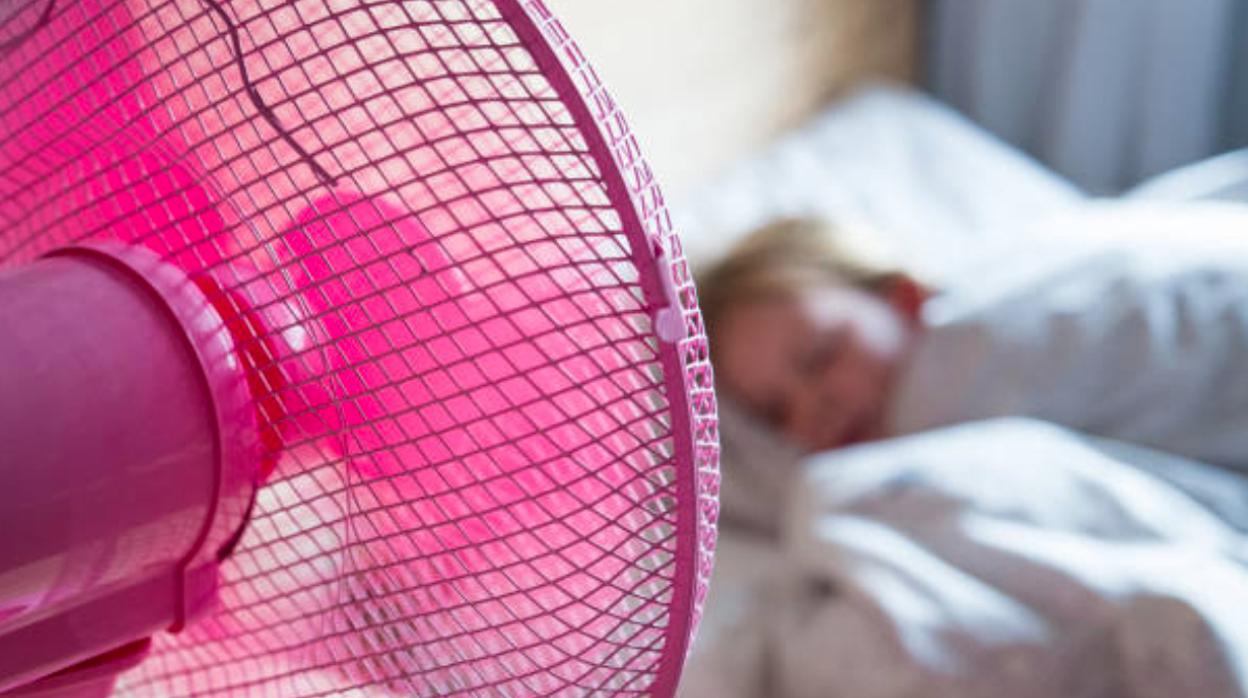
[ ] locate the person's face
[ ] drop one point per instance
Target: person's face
(817, 364)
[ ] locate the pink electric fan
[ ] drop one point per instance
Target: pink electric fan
(345, 348)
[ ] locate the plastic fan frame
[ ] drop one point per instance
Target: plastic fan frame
(687, 370)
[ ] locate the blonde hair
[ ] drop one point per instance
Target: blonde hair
(787, 255)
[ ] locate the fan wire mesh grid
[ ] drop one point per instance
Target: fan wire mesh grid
(490, 469)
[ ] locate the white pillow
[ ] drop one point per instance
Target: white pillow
(930, 183)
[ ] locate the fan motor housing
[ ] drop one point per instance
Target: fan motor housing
(127, 458)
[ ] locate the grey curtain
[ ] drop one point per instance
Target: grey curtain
(1106, 92)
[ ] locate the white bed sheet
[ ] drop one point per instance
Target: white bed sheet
(1012, 557)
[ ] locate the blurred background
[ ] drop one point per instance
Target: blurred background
(705, 82)
(1104, 92)
(1068, 179)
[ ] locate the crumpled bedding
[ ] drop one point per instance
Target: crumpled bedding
(1116, 324)
(1011, 557)
(1001, 557)
(1090, 545)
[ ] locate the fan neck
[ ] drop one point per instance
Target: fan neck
(130, 452)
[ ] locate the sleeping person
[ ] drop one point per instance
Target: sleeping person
(821, 338)
(809, 333)
(930, 547)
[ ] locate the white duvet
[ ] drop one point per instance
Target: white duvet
(1008, 557)
(1125, 321)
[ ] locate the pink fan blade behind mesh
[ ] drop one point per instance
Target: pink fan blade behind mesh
(490, 435)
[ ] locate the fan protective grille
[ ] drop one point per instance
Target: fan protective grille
(442, 257)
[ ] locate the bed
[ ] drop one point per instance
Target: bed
(827, 584)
